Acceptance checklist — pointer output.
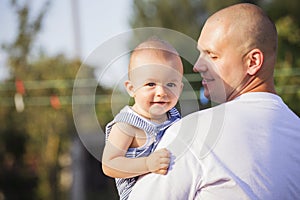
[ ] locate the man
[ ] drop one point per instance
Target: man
(248, 146)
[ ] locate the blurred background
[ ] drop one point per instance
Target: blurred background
(43, 44)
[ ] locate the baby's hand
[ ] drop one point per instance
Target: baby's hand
(158, 162)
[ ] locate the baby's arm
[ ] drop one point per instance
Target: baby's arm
(115, 164)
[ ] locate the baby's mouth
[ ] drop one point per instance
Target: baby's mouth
(159, 103)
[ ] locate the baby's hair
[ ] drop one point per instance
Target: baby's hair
(154, 45)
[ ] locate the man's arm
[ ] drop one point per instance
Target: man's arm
(179, 183)
(183, 178)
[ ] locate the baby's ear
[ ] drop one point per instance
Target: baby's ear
(182, 85)
(129, 87)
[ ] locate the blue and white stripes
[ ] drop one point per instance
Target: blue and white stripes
(154, 133)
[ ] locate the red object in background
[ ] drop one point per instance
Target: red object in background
(55, 102)
(20, 87)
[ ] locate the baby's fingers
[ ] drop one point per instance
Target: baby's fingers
(163, 153)
(164, 161)
(162, 171)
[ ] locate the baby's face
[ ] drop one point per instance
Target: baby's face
(157, 83)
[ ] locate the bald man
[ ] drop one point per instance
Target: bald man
(247, 147)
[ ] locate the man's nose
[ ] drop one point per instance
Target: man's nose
(200, 65)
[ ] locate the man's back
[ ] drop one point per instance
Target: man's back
(247, 148)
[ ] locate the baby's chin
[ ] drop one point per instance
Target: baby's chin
(158, 109)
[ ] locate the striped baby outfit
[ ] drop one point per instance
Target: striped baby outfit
(154, 133)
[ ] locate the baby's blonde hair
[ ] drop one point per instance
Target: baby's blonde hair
(156, 46)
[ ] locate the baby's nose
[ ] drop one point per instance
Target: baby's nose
(160, 90)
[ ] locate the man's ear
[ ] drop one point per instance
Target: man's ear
(255, 59)
(129, 87)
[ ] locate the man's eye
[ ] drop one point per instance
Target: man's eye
(150, 84)
(213, 56)
(171, 84)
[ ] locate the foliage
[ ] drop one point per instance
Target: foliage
(286, 16)
(288, 65)
(35, 141)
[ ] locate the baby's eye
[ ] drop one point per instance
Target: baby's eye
(150, 84)
(171, 84)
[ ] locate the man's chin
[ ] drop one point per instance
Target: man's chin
(206, 94)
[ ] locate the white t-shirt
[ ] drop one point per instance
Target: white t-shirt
(248, 148)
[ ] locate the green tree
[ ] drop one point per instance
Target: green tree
(19, 179)
(35, 140)
(287, 73)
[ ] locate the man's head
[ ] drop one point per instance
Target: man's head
(155, 77)
(238, 46)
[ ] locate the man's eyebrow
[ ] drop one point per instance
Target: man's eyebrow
(202, 50)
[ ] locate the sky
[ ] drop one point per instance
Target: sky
(99, 20)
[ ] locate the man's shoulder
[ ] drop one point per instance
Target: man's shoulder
(186, 129)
